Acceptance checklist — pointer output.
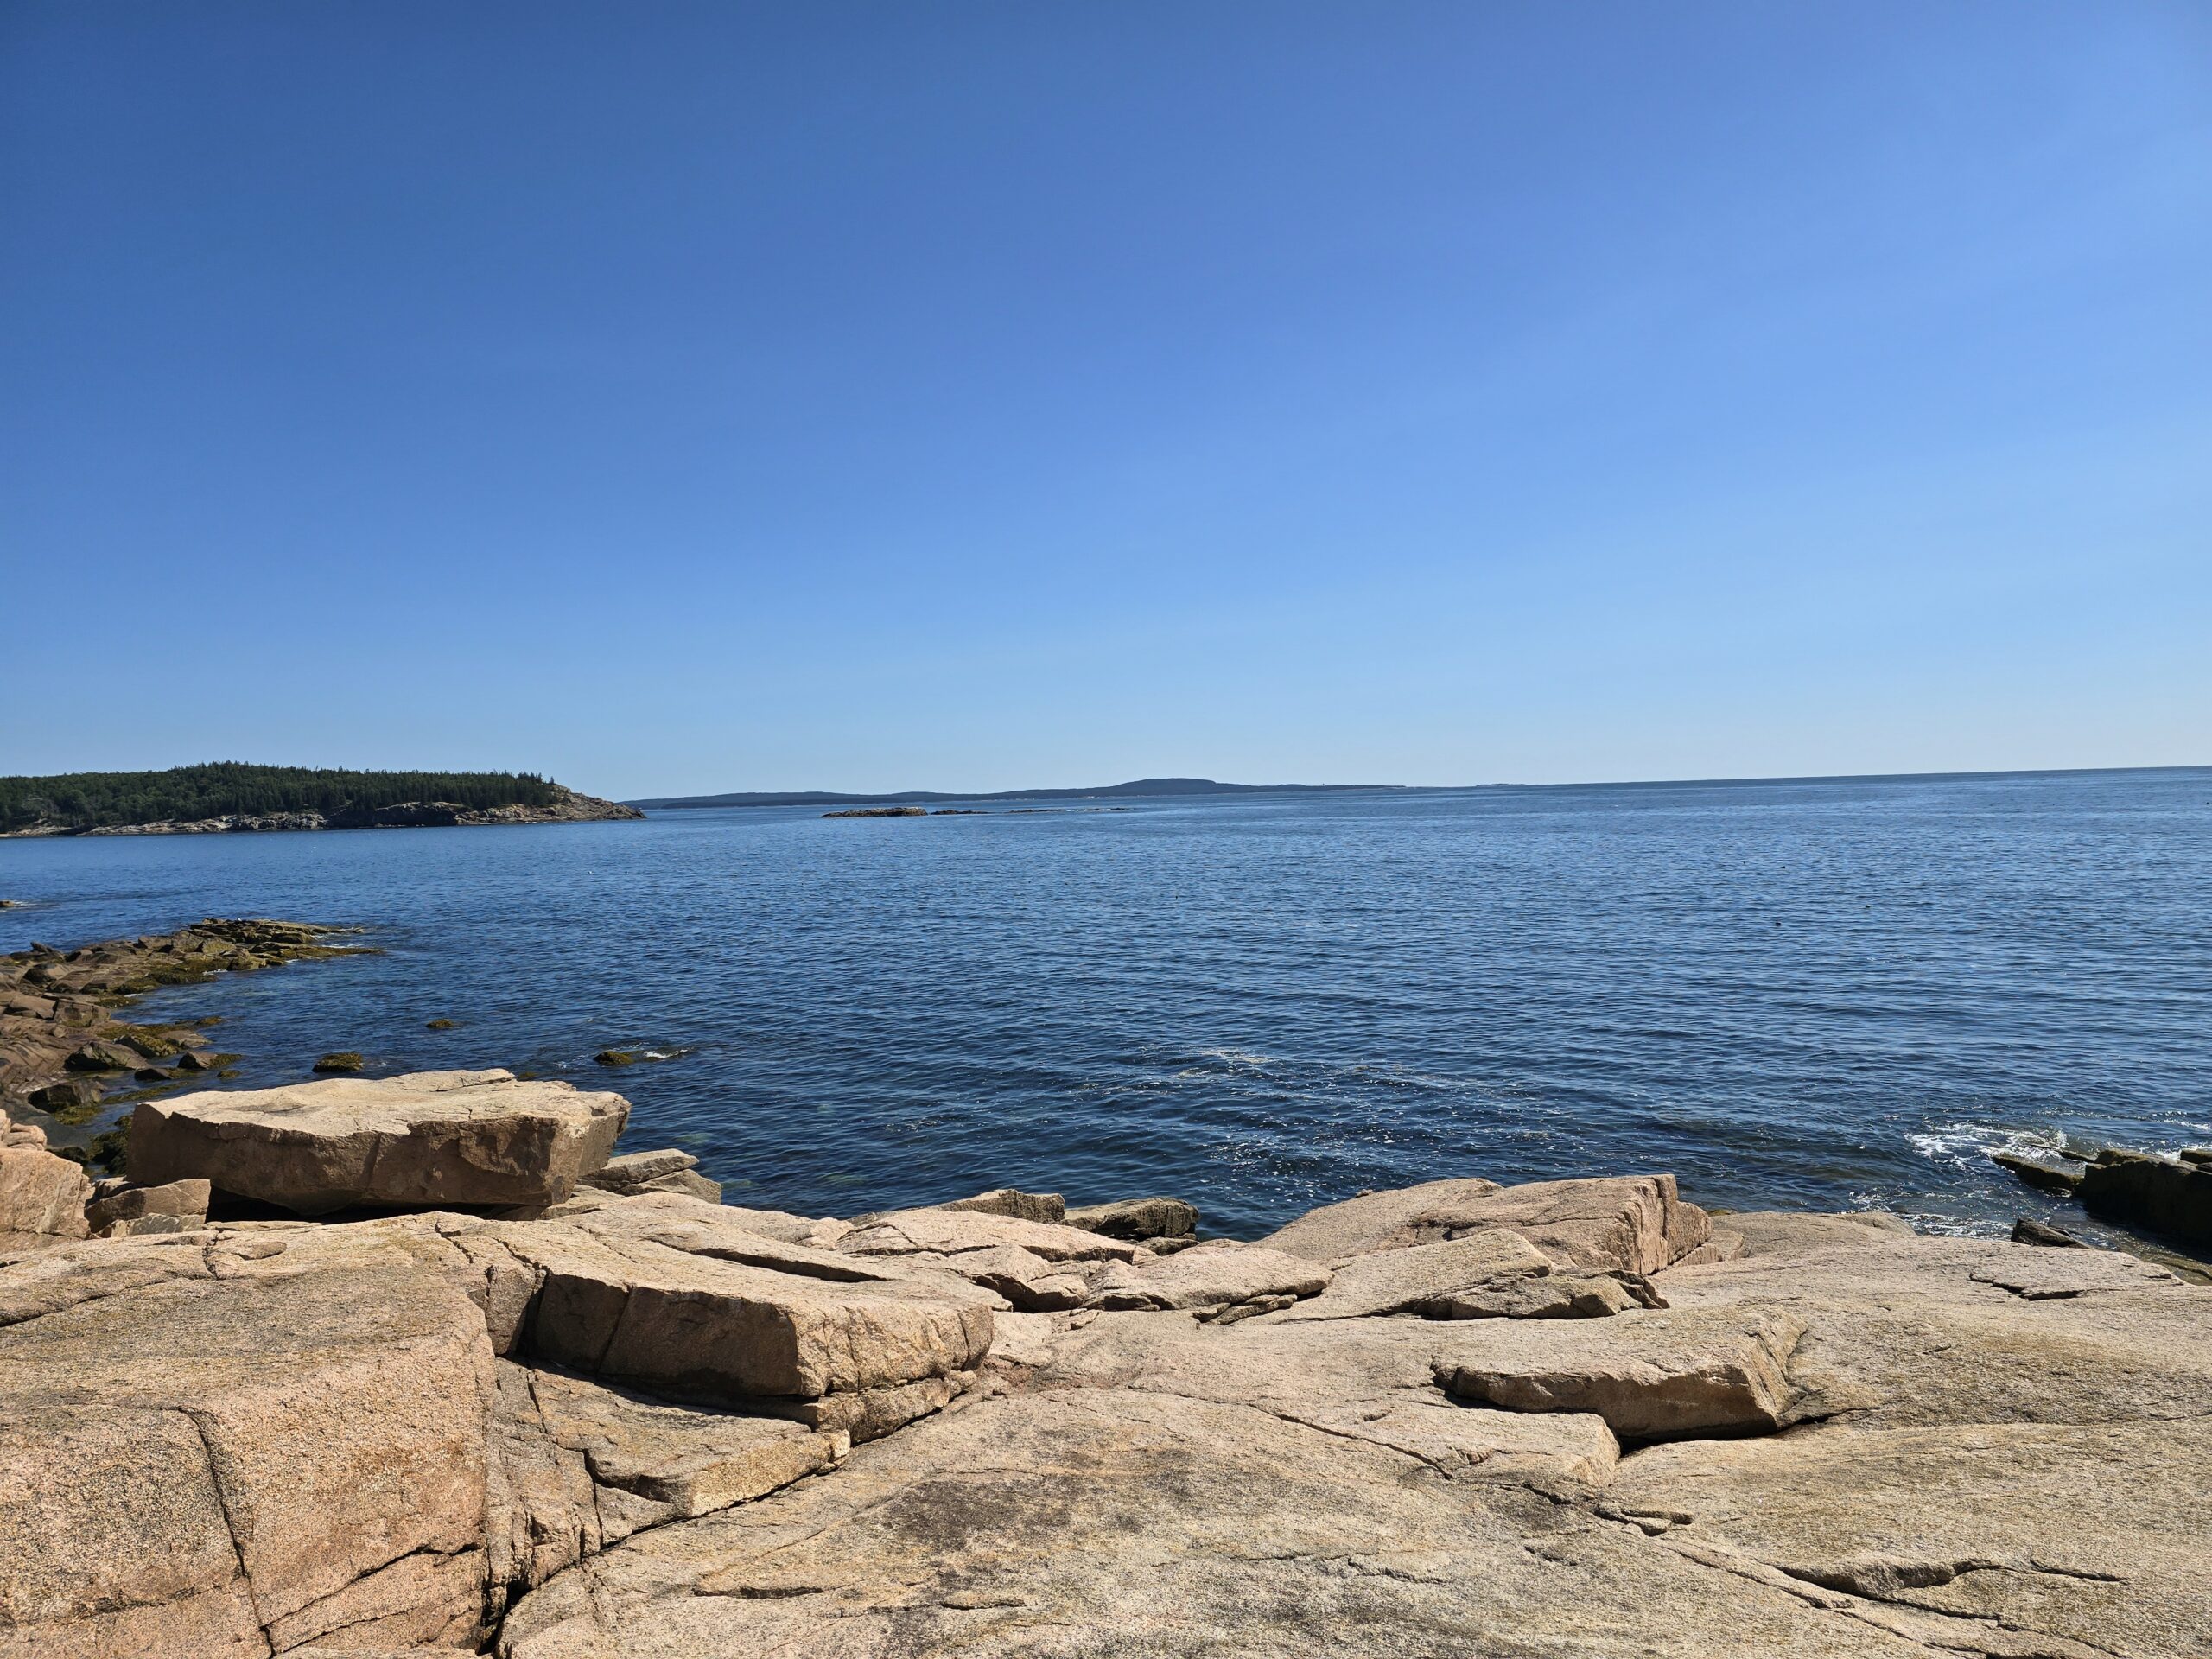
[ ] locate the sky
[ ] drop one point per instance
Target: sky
(689, 398)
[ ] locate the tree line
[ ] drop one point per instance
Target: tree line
(92, 800)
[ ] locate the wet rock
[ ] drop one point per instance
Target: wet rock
(2042, 1176)
(101, 1057)
(2028, 1231)
(437, 1025)
(2172, 1199)
(70, 1094)
(191, 1061)
(428, 1139)
(1137, 1218)
(342, 1061)
(618, 1057)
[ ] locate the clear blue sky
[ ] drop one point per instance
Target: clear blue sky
(723, 396)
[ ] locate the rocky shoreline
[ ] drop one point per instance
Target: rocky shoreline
(568, 807)
(63, 1050)
(409, 1367)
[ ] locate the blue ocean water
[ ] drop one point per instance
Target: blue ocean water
(1821, 994)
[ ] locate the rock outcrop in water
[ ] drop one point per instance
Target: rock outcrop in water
(61, 1046)
(2162, 1196)
(1567, 1418)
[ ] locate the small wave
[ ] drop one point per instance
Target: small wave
(1972, 1143)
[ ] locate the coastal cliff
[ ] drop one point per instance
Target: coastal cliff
(552, 1404)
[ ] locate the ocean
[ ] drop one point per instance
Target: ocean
(1828, 994)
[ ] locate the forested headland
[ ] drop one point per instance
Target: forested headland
(79, 801)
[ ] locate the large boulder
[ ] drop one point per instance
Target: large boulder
(667, 1293)
(1656, 1376)
(42, 1197)
(428, 1139)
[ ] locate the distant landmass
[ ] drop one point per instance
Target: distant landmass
(1141, 786)
(227, 796)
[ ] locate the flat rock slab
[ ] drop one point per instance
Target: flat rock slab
(650, 1462)
(945, 1232)
(193, 1462)
(1650, 1376)
(1491, 1274)
(2092, 1533)
(736, 1321)
(1633, 1224)
(1207, 1275)
(1074, 1525)
(428, 1139)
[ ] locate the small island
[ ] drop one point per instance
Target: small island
(229, 796)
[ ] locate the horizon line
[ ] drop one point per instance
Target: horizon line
(808, 797)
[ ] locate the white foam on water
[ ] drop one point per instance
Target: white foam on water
(1971, 1144)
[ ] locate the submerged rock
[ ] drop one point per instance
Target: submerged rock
(2042, 1176)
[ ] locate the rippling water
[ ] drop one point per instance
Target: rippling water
(1821, 994)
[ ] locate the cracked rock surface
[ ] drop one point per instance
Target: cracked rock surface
(1562, 1420)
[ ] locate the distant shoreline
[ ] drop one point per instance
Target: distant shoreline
(1143, 788)
(406, 815)
(1192, 788)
